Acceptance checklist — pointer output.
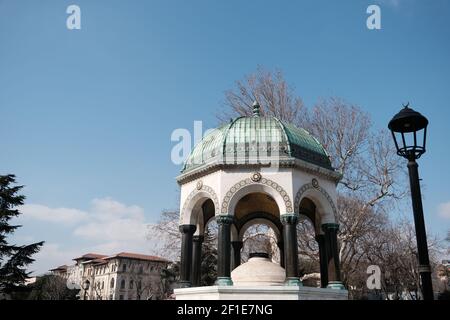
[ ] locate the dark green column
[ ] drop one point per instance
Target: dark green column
(334, 270)
(280, 245)
(196, 260)
(236, 247)
(323, 260)
(187, 231)
(290, 248)
(224, 250)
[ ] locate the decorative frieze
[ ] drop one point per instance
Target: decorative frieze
(249, 181)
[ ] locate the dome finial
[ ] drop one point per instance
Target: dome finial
(256, 109)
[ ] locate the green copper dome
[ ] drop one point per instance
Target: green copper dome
(257, 140)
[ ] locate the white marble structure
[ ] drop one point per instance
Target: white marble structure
(258, 170)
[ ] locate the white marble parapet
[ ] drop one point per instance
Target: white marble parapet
(259, 293)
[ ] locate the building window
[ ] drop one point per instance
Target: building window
(124, 267)
(112, 283)
(110, 297)
(121, 297)
(103, 285)
(122, 284)
(131, 284)
(141, 269)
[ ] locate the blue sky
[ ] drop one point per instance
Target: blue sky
(86, 115)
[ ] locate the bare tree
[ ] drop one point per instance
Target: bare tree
(51, 287)
(145, 286)
(165, 235)
(260, 238)
(343, 129)
(448, 240)
(275, 96)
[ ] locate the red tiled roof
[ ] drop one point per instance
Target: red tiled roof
(63, 267)
(96, 261)
(91, 256)
(136, 256)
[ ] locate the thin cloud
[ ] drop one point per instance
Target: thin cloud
(108, 227)
(54, 215)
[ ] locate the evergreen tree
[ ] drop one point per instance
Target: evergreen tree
(13, 258)
(169, 277)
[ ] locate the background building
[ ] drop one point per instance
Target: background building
(123, 276)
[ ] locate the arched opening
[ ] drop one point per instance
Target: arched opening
(258, 227)
(208, 264)
(194, 205)
(256, 202)
(202, 211)
(203, 269)
(308, 233)
(274, 199)
(208, 210)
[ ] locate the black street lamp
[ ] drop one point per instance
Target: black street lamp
(86, 284)
(409, 130)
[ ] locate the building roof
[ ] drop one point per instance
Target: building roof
(251, 138)
(60, 268)
(137, 256)
(90, 256)
(96, 262)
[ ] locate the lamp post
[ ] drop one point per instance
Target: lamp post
(85, 287)
(409, 130)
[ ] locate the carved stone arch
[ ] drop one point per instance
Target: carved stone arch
(322, 191)
(200, 190)
(263, 182)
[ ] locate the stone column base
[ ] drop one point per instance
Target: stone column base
(336, 285)
(224, 281)
(293, 282)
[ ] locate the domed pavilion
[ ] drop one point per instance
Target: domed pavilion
(258, 170)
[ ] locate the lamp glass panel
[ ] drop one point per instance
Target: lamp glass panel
(409, 139)
(420, 138)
